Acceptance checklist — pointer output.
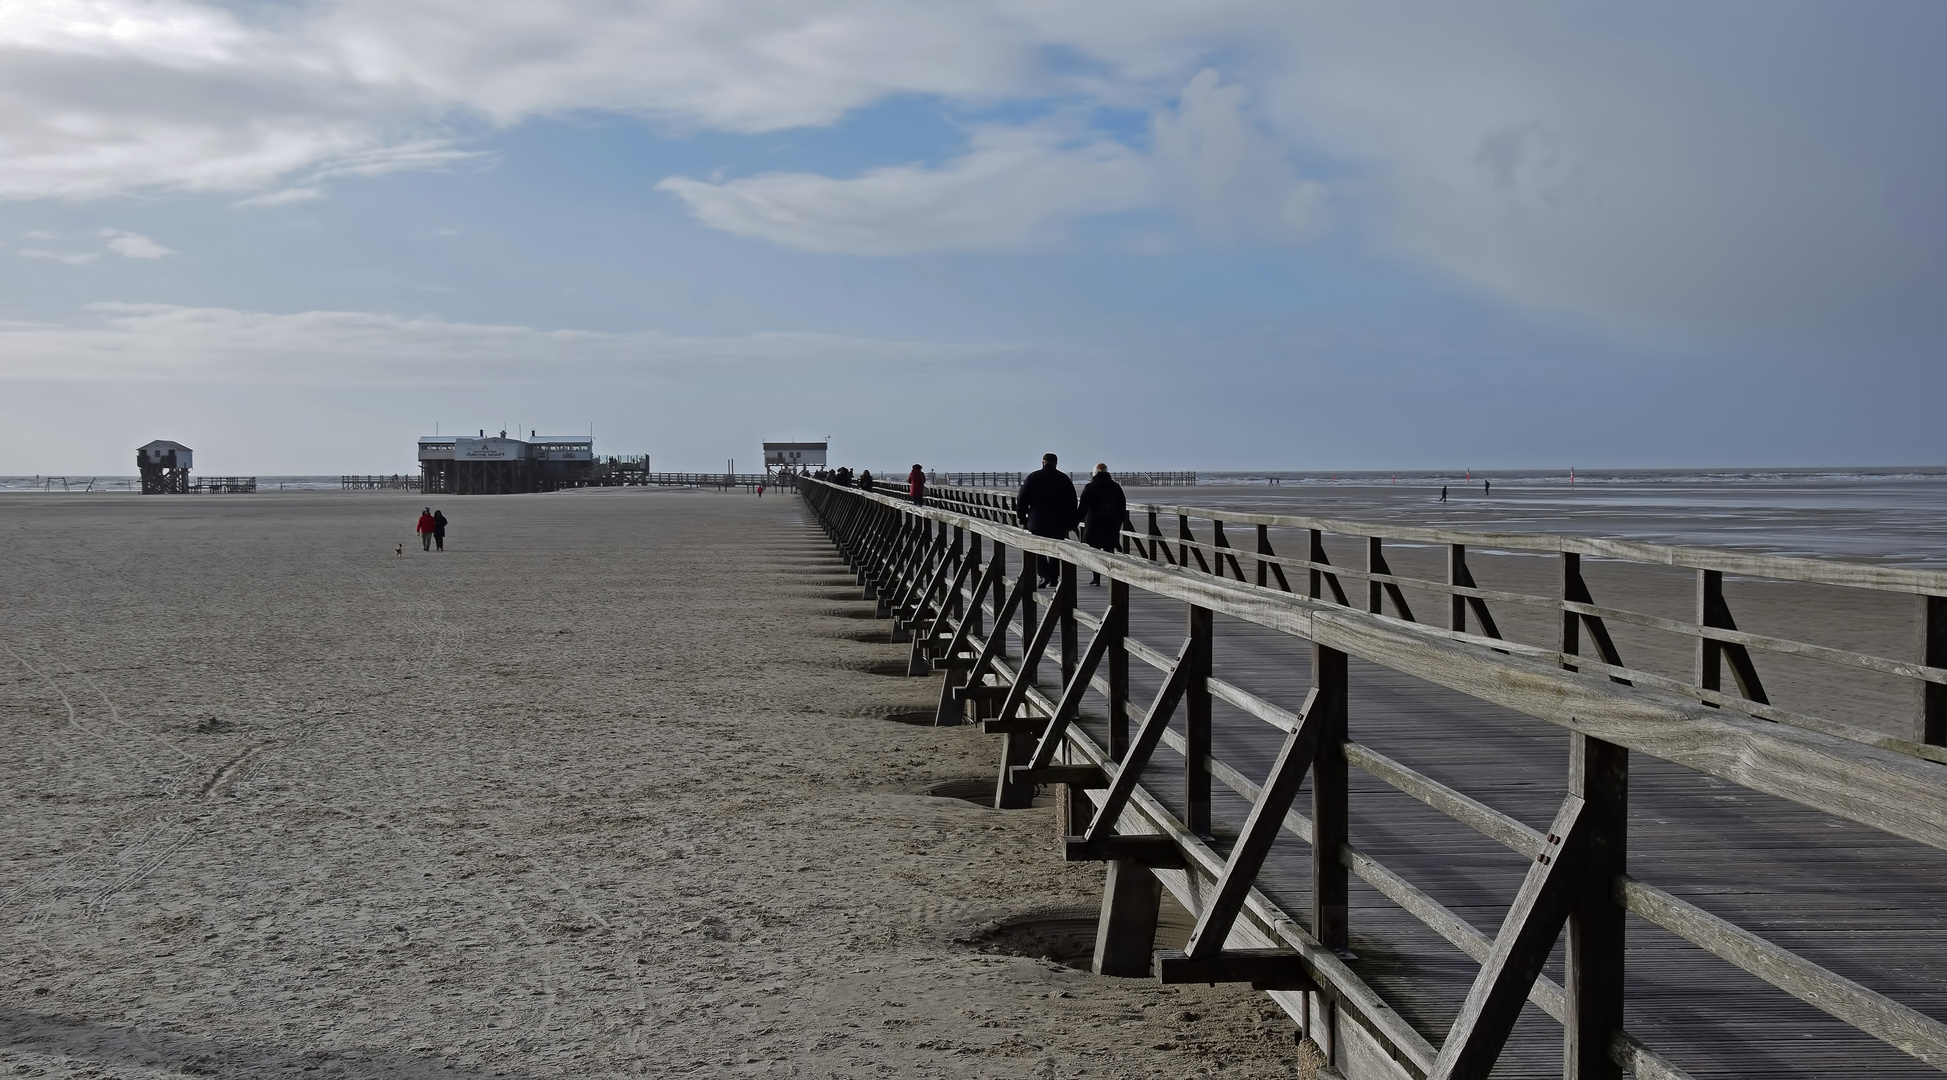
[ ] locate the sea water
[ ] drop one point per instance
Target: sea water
(1882, 515)
(1896, 515)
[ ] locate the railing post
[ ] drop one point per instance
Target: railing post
(1065, 603)
(951, 712)
(1457, 576)
(1571, 622)
(1375, 564)
(1125, 933)
(999, 592)
(1118, 626)
(1710, 654)
(1196, 724)
(1933, 653)
(1316, 590)
(1599, 774)
(1030, 620)
(1330, 827)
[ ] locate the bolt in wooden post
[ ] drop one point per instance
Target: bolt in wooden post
(1599, 773)
(1933, 653)
(1330, 811)
(1196, 724)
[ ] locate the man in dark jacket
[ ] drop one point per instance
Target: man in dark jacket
(1046, 506)
(1103, 509)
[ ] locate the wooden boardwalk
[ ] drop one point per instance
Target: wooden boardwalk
(1779, 909)
(1867, 905)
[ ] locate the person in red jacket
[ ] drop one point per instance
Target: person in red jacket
(426, 527)
(916, 484)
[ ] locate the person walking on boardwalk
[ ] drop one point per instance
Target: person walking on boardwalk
(916, 484)
(426, 529)
(865, 480)
(1046, 507)
(1102, 509)
(439, 530)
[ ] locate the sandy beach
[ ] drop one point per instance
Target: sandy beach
(610, 788)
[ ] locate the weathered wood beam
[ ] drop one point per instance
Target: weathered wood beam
(1488, 1013)
(1331, 808)
(1260, 831)
(1712, 611)
(1129, 769)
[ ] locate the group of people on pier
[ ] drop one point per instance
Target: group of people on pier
(1048, 505)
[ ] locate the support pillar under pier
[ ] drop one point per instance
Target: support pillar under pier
(1125, 938)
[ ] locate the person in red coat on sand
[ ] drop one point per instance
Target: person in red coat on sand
(426, 527)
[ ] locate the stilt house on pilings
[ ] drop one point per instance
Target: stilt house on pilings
(164, 466)
(498, 465)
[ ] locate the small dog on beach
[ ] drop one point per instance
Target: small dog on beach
(401, 551)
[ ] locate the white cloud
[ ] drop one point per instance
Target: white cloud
(151, 342)
(284, 196)
(1020, 187)
(133, 245)
(72, 258)
(1015, 188)
(1227, 175)
(1652, 167)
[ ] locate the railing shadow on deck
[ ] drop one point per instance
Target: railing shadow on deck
(940, 570)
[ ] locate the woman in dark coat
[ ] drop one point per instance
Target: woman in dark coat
(1103, 509)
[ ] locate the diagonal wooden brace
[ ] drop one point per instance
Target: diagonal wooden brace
(1260, 831)
(1031, 655)
(1129, 770)
(1071, 695)
(996, 642)
(1527, 935)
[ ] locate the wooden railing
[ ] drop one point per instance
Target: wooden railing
(226, 485)
(394, 482)
(1012, 480)
(940, 572)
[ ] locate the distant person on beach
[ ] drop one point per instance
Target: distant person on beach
(916, 484)
(1046, 507)
(1103, 508)
(1443, 493)
(760, 491)
(439, 530)
(426, 529)
(1487, 487)
(865, 480)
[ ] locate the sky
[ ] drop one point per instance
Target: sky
(1235, 234)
